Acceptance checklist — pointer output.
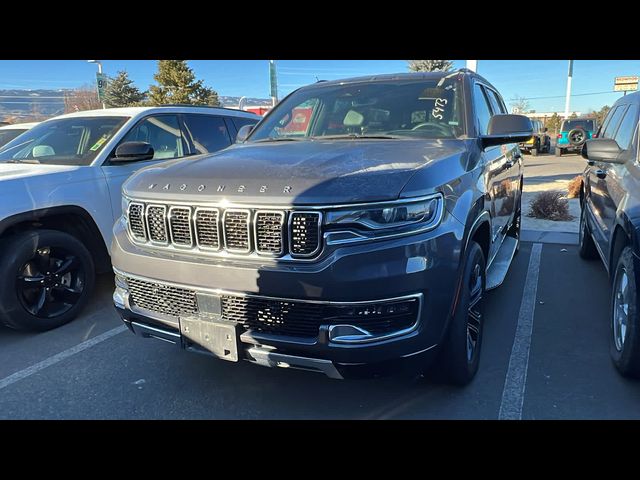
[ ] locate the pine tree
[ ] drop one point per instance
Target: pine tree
(121, 92)
(430, 65)
(177, 84)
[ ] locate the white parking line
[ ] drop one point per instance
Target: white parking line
(515, 382)
(58, 357)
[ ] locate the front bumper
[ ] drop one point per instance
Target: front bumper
(425, 265)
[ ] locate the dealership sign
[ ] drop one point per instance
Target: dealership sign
(625, 84)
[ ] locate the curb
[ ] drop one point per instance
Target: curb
(546, 236)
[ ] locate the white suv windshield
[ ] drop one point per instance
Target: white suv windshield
(67, 141)
(394, 108)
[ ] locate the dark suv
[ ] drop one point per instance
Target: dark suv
(352, 232)
(610, 223)
(573, 134)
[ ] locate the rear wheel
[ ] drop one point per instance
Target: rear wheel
(46, 277)
(460, 355)
(625, 322)
(587, 249)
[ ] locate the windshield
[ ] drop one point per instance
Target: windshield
(67, 141)
(411, 109)
(587, 125)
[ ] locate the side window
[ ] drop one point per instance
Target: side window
(162, 132)
(612, 122)
(496, 104)
(627, 127)
(206, 133)
(483, 113)
(240, 122)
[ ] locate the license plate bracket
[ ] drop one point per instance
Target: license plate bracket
(221, 339)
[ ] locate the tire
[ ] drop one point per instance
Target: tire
(535, 150)
(547, 146)
(577, 137)
(625, 342)
(457, 364)
(46, 278)
(514, 231)
(558, 152)
(587, 248)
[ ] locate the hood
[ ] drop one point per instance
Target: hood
(11, 171)
(294, 173)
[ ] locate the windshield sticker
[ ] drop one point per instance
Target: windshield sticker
(439, 108)
(99, 143)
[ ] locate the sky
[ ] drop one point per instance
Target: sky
(531, 79)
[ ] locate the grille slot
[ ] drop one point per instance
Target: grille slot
(236, 230)
(305, 233)
(160, 298)
(269, 229)
(136, 221)
(207, 231)
(157, 223)
(180, 226)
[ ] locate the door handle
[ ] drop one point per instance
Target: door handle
(601, 173)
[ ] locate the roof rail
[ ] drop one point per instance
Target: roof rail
(198, 106)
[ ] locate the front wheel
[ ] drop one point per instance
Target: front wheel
(559, 152)
(535, 150)
(460, 355)
(625, 322)
(46, 277)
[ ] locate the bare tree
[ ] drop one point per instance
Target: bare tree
(82, 98)
(519, 104)
(430, 65)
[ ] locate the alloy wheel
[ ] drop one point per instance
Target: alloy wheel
(620, 308)
(474, 312)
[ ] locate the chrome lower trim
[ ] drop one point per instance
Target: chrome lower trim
(147, 331)
(268, 358)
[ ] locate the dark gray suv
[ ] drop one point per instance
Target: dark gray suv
(353, 231)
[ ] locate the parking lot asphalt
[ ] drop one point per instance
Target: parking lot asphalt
(94, 369)
(546, 168)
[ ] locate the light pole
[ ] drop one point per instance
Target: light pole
(569, 78)
(99, 63)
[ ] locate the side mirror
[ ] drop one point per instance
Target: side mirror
(603, 150)
(507, 128)
(243, 133)
(133, 152)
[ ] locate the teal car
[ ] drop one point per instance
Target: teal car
(573, 134)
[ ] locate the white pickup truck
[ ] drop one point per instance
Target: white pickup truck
(60, 196)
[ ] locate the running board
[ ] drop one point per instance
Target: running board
(500, 265)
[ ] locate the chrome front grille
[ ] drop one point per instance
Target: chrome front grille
(236, 230)
(180, 226)
(207, 228)
(157, 223)
(216, 230)
(269, 228)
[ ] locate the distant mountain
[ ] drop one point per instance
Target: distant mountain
(23, 104)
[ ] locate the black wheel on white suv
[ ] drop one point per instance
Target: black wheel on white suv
(46, 277)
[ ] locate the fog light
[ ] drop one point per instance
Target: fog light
(119, 295)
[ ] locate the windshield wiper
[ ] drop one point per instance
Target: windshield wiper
(279, 139)
(34, 161)
(353, 136)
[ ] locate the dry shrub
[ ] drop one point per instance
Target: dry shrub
(550, 206)
(574, 187)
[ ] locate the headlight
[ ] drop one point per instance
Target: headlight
(424, 212)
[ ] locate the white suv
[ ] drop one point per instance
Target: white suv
(60, 196)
